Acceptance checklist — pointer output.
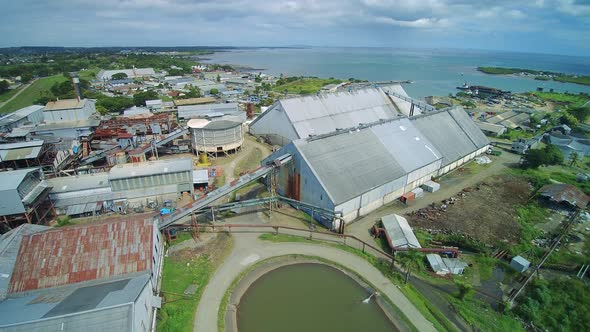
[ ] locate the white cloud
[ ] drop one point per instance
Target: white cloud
(418, 23)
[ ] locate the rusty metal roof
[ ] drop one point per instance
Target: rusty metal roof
(82, 253)
(561, 192)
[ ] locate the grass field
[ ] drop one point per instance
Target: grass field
(571, 100)
(305, 86)
(8, 94)
(34, 91)
(185, 268)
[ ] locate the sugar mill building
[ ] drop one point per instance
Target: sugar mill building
(215, 137)
(30, 115)
(126, 185)
(23, 198)
(69, 110)
(302, 117)
(356, 170)
(96, 277)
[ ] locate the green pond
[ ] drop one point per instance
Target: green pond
(309, 297)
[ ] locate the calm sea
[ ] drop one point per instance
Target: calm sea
(433, 71)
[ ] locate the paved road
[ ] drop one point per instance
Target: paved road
(248, 249)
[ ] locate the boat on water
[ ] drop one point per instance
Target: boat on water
(465, 86)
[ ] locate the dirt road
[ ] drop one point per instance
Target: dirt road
(250, 143)
(450, 184)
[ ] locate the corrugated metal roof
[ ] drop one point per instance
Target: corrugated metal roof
(79, 182)
(20, 151)
(399, 231)
(66, 124)
(20, 114)
(12, 179)
(447, 135)
(437, 264)
(194, 101)
(80, 253)
(193, 111)
(9, 246)
(469, 127)
(107, 305)
(201, 176)
(494, 128)
(150, 168)
(350, 164)
(501, 117)
(404, 141)
(315, 115)
(561, 192)
(65, 104)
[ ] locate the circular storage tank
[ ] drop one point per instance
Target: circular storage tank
(215, 136)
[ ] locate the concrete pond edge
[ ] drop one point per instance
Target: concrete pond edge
(227, 313)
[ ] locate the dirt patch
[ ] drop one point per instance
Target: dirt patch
(215, 249)
(486, 211)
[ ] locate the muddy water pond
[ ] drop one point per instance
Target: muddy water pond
(309, 297)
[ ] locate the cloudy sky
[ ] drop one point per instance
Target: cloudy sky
(546, 26)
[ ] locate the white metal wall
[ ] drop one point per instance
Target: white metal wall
(274, 123)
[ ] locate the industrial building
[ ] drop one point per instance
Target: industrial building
(302, 117)
(23, 198)
(215, 137)
(569, 144)
(96, 277)
(124, 186)
(30, 115)
(357, 170)
(69, 110)
(105, 75)
(213, 112)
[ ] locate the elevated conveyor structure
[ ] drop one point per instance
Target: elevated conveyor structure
(147, 147)
(207, 200)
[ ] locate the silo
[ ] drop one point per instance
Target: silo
(214, 137)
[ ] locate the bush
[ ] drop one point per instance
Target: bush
(550, 155)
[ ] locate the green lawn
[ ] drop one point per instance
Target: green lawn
(88, 74)
(307, 85)
(484, 318)
(8, 94)
(566, 99)
(189, 268)
(34, 91)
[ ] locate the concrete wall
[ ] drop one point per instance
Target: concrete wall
(275, 126)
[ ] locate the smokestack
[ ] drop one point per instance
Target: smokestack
(76, 82)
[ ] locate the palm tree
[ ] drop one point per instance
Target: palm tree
(410, 259)
(574, 158)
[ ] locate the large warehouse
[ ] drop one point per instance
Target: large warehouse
(357, 170)
(302, 117)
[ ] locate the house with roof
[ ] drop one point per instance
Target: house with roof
(565, 195)
(23, 198)
(94, 277)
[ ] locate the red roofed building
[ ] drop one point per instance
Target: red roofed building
(103, 275)
(566, 194)
(83, 253)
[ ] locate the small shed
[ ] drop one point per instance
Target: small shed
(418, 192)
(407, 197)
(437, 264)
(399, 232)
(454, 265)
(520, 264)
(431, 186)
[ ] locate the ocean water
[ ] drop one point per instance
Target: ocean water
(433, 71)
